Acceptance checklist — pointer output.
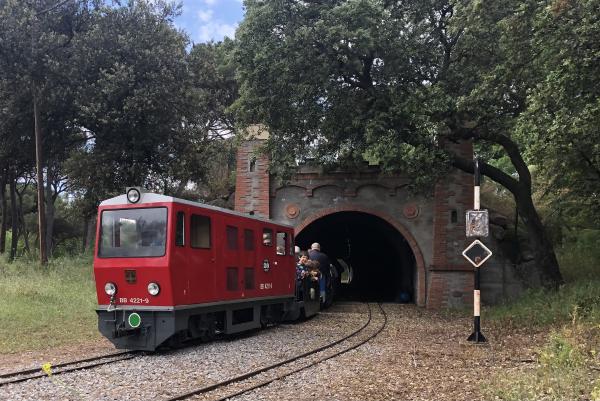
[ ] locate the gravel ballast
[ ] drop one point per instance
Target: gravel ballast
(421, 355)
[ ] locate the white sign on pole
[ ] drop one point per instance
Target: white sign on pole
(477, 253)
(477, 223)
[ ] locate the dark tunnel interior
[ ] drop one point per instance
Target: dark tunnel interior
(382, 262)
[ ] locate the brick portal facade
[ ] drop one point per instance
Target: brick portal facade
(434, 227)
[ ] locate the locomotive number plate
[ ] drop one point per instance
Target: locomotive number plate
(266, 286)
(134, 300)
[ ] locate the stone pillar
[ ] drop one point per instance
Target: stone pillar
(450, 280)
(252, 176)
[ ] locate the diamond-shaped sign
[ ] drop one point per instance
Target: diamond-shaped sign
(477, 253)
(477, 223)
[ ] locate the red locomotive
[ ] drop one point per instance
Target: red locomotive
(170, 270)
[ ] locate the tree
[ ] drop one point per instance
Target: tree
(207, 157)
(395, 81)
(132, 73)
(35, 46)
(561, 122)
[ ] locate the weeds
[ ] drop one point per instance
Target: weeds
(46, 306)
(565, 369)
(569, 362)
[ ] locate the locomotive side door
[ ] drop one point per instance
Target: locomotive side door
(230, 276)
(285, 277)
(201, 266)
(248, 262)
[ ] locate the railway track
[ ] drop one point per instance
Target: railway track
(289, 366)
(81, 364)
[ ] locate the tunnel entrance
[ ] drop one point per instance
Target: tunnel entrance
(381, 263)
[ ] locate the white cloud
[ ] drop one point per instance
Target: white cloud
(216, 31)
(205, 15)
(210, 19)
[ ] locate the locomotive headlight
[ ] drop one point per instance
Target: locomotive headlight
(133, 195)
(110, 289)
(266, 265)
(153, 289)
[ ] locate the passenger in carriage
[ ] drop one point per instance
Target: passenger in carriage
(301, 267)
(313, 270)
(324, 265)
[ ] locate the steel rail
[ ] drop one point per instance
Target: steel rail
(36, 373)
(256, 372)
(314, 363)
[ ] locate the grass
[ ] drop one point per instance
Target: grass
(46, 307)
(568, 364)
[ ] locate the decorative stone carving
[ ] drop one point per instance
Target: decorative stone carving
(410, 211)
(292, 211)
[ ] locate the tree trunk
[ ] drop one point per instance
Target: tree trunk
(91, 233)
(23, 232)
(14, 219)
(40, 179)
(49, 213)
(4, 206)
(84, 234)
(545, 270)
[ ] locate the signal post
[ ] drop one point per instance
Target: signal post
(477, 225)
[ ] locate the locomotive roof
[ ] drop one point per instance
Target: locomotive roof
(148, 197)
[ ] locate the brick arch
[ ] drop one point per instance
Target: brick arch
(419, 260)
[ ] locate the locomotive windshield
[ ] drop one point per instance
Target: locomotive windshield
(133, 233)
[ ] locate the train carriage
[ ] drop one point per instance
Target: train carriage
(169, 270)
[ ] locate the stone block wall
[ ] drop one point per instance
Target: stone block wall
(433, 226)
(252, 180)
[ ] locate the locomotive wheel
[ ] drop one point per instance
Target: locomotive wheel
(177, 340)
(208, 333)
(202, 327)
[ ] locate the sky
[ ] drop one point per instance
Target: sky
(206, 20)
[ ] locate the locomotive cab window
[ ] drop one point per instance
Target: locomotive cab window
(200, 232)
(232, 237)
(130, 233)
(248, 240)
(232, 279)
(267, 237)
(281, 240)
(180, 229)
(249, 278)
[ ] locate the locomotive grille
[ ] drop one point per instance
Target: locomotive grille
(130, 276)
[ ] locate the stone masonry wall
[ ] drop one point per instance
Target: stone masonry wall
(433, 226)
(252, 180)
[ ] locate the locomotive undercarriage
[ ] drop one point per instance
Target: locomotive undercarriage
(173, 326)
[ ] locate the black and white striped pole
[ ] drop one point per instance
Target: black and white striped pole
(477, 225)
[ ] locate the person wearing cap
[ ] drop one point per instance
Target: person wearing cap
(315, 254)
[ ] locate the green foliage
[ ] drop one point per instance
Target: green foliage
(563, 372)
(122, 102)
(557, 306)
(560, 126)
(564, 369)
(562, 352)
(133, 74)
(46, 307)
(579, 255)
(335, 80)
(596, 391)
(398, 83)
